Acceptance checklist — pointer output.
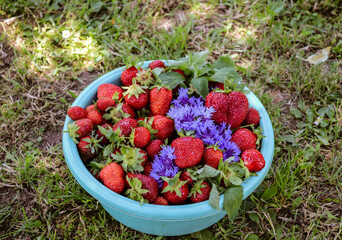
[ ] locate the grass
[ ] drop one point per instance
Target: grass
(41, 72)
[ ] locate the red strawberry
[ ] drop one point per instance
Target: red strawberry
(212, 156)
(126, 125)
(217, 85)
(127, 109)
(108, 90)
(145, 157)
(161, 201)
(148, 168)
(219, 101)
(136, 96)
(244, 139)
(154, 147)
(175, 193)
(186, 176)
(160, 99)
(112, 177)
(141, 136)
(148, 183)
(76, 113)
(128, 74)
(104, 140)
(252, 118)
(80, 128)
(237, 108)
(253, 160)
(164, 126)
(179, 71)
(88, 148)
(156, 64)
(95, 117)
(200, 192)
(188, 151)
(90, 108)
(104, 103)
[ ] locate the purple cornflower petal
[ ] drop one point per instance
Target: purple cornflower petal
(231, 149)
(163, 165)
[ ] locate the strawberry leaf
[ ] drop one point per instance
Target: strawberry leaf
(232, 201)
(198, 58)
(171, 79)
(207, 172)
(96, 165)
(201, 86)
(177, 64)
(224, 62)
(214, 198)
(226, 73)
(235, 180)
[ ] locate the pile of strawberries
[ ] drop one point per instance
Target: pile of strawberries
(127, 128)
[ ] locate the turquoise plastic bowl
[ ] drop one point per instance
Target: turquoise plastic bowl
(149, 218)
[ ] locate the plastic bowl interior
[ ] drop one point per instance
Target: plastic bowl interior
(149, 218)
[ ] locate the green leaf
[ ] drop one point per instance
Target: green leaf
(269, 193)
(232, 201)
(177, 64)
(252, 236)
(301, 105)
(201, 86)
(297, 202)
(330, 215)
(108, 150)
(156, 72)
(254, 217)
(214, 198)
(96, 165)
(323, 138)
(224, 62)
(72, 94)
(207, 172)
(96, 7)
(296, 112)
(225, 73)
(198, 58)
(235, 180)
(171, 79)
(310, 115)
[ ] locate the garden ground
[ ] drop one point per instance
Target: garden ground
(41, 72)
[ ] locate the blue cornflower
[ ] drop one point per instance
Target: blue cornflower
(163, 165)
(231, 149)
(190, 114)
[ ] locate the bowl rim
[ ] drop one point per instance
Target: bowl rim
(151, 211)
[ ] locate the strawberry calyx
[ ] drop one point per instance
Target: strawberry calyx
(116, 97)
(215, 147)
(197, 188)
(174, 184)
(93, 143)
(130, 159)
(190, 133)
(72, 130)
(136, 191)
(134, 90)
(144, 77)
(147, 123)
(116, 114)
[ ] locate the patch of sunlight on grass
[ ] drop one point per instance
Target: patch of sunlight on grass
(202, 10)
